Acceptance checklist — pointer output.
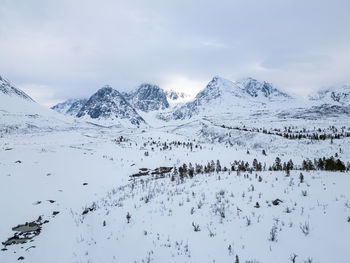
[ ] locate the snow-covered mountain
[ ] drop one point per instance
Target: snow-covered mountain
(222, 95)
(19, 113)
(8, 89)
(174, 96)
(148, 97)
(263, 89)
(109, 104)
(70, 106)
(76, 107)
(334, 95)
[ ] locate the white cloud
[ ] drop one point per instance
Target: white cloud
(40, 93)
(75, 47)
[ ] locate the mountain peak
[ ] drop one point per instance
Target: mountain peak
(108, 103)
(106, 89)
(221, 94)
(148, 97)
(216, 87)
(264, 89)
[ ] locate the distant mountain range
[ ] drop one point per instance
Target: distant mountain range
(242, 98)
(108, 103)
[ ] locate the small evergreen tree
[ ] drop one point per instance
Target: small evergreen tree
(277, 165)
(128, 217)
(301, 178)
(218, 166)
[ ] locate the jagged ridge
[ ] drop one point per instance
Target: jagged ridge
(148, 97)
(108, 103)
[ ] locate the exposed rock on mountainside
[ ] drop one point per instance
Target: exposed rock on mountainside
(7, 89)
(108, 103)
(175, 95)
(70, 106)
(147, 98)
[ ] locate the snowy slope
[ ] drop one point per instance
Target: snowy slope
(70, 106)
(20, 114)
(334, 95)
(6, 88)
(81, 170)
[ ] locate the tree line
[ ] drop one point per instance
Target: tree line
(323, 164)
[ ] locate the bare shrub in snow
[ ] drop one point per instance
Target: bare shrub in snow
(128, 217)
(196, 227)
(273, 234)
(288, 210)
(305, 228)
(248, 221)
(293, 257)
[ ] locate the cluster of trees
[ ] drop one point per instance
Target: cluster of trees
(191, 170)
(120, 139)
(293, 133)
(326, 164)
(278, 166)
(173, 144)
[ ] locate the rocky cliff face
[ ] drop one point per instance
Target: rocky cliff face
(108, 103)
(147, 98)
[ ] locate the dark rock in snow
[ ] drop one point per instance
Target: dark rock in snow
(277, 201)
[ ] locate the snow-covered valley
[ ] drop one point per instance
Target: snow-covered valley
(209, 180)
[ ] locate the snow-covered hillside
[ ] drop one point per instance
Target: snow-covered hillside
(70, 106)
(19, 113)
(6, 88)
(335, 95)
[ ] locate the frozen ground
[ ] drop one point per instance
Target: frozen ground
(74, 169)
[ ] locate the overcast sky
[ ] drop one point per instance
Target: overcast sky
(64, 49)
